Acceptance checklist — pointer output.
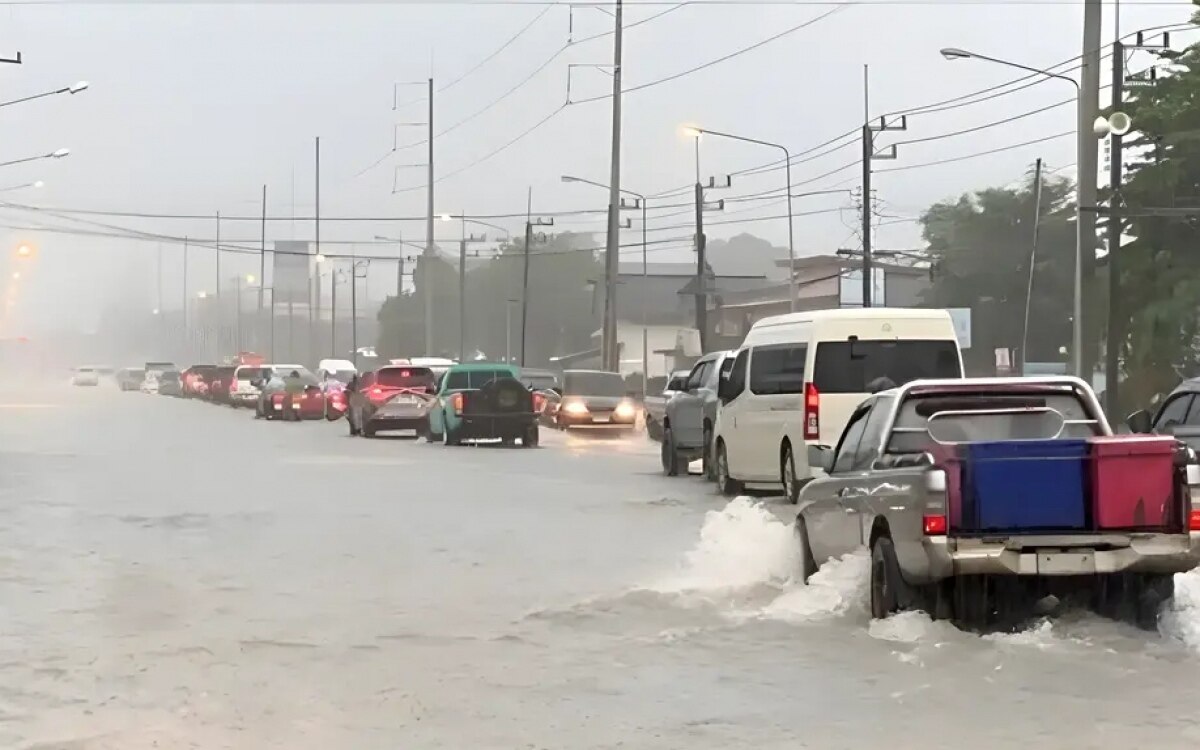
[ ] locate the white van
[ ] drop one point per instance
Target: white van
(797, 378)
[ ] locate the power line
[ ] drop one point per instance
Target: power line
(501, 48)
(976, 154)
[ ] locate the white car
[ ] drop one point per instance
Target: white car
(85, 376)
(150, 384)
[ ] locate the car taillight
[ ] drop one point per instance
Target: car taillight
(456, 403)
(539, 402)
(933, 525)
(812, 412)
(233, 386)
(1194, 520)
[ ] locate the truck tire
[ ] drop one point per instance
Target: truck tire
(449, 438)
(808, 565)
(726, 485)
(888, 592)
(706, 456)
(653, 430)
(670, 456)
(1153, 591)
(530, 439)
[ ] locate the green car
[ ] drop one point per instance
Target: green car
(484, 402)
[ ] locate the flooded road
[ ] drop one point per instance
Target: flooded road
(177, 575)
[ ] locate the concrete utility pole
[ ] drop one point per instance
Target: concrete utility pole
(262, 268)
(186, 332)
(609, 348)
(314, 333)
(1089, 108)
(1037, 223)
(217, 248)
(426, 275)
(530, 223)
(701, 265)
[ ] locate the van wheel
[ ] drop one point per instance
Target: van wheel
(791, 485)
(670, 456)
(726, 484)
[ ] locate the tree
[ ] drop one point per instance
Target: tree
(563, 303)
(1160, 269)
(980, 245)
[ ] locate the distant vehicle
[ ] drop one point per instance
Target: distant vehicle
(595, 399)
(654, 408)
(160, 367)
(1178, 415)
(85, 376)
(484, 402)
(539, 380)
(130, 378)
(220, 385)
(150, 382)
(438, 365)
(691, 415)
(979, 497)
(243, 388)
(335, 374)
(196, 380)
(170, 384)
(300, 398)
(396, 397)
(797, 378)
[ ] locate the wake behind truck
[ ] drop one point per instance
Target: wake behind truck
(980, 498)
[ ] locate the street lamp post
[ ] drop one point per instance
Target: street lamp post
(787, 161)
(74, 88)
(249, 279)
(645, 275)
(951, 53)
(60, 153)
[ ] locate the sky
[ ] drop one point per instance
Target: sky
(193, 108)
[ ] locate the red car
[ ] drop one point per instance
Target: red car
(308, 403)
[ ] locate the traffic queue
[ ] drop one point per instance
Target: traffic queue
(975, 497)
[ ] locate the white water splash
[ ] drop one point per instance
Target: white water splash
(838, 587)
(741, 545)
(1181, 619)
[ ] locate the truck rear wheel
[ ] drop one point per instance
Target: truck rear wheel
(888, 592)
(670, 456)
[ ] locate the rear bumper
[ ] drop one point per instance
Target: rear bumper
(1059, 556)
(599, 421)
(385, 423)
(485, 426)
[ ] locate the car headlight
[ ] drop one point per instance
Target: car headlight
(575, 407)
(626, 410)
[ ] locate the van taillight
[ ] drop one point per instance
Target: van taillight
(1194, 520)
(456, 403)
(812, 412)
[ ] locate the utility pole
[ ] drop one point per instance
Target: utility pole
(1089, 108)
(1037, 223)
(530, 223)
(609, 348)
(1112, 354)
(354, 308)
(262, 269)
(462, 289)
(314, 334)
(869, 155)
(332, 309)
(159, 283)
(426, 275)
(701, 265)
(186, 332)
(217, 248)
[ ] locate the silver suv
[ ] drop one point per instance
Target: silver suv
(691, 414)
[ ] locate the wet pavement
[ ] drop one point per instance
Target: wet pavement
(178, 575)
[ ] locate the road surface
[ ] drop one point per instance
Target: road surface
(178, 575)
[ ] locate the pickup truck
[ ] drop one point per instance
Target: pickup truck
(654, 408)
(981, 498)
(691, 414)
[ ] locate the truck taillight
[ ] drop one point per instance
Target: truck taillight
(1194, 520)
(233, 386)
(934, 525)
(456, 403)
(539, 402)
(812, 412)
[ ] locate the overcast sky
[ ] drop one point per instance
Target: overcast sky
(192, 108)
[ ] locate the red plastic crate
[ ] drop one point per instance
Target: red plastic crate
(1133, 482)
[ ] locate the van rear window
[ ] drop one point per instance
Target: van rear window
(852, 366)
(405, 377)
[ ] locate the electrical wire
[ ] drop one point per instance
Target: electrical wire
(976, 154)
(512, 40)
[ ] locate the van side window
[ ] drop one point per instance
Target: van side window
(737, 375)
(778, 369)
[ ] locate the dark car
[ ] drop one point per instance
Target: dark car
(392, 398)
(594, 398)
(130, 378)
(1178, 415)
(170, 384)
(218, 387)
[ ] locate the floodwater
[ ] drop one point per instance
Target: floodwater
(177, 575)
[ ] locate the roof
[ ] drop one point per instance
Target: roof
(858, 313)
(484, 367)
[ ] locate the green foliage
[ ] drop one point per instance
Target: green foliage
(980, 248)
(563, 308)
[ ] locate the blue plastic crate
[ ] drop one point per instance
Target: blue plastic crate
(1026, 485)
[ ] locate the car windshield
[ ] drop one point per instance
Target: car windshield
(608, 384)
(853, 366)
(462, 380)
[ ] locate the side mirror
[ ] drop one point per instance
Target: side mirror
(821, 457)
(1139, 422)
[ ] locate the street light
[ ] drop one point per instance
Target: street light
(24, 251)
(60, 153)
(74, 88)
(36, 184)
(953, 53)
(787, 159)
(645, 274)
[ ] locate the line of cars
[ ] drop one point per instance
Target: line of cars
(979, 500)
